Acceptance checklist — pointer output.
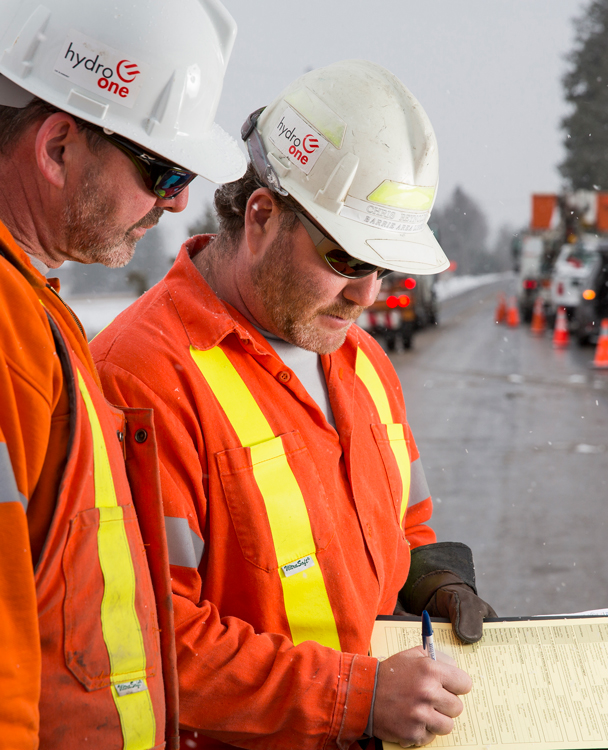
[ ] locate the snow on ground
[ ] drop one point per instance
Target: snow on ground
(95, 313)
(455, 285)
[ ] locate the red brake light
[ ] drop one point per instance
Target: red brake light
(392, 301)
(409, 283)
(530, 284)
(404, 300)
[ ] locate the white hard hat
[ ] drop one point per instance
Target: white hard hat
(149, 70)
(352, 146)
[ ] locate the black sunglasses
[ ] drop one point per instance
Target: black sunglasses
(163, 178)
(335, 256)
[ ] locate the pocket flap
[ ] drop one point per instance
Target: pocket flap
(276, 501)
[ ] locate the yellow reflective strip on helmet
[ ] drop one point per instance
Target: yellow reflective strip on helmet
(249, 424)
(307, 605)
(395, 430)
(119, 623)
(318, 114)
(400, 195)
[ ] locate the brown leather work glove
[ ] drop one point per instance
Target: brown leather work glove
(442, 581)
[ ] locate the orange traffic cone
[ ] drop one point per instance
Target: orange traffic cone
(539, 322)
(500, 316)
(601, 353)
(512, 313)
(561, 336)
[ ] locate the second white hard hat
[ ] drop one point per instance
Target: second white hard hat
(149, 70)
(353, 146)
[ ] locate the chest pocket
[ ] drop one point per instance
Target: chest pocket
(267, 504)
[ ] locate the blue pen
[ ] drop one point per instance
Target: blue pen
(427, 635)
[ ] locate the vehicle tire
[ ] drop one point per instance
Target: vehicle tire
(407, 341)
(391, 342)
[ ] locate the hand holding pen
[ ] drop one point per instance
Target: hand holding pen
(428, 643)
(416, 696)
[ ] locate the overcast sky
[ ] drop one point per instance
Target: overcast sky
(487, 72)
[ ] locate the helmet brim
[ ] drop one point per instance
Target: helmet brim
(417, 252)
(214, 155)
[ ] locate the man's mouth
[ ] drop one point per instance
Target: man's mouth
(150, 220)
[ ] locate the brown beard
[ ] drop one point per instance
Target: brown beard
(290, 300)
(92, 234)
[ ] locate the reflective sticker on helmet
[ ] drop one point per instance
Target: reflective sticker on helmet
(297, 140)
(400, 195)
(96, 67)
(388, 219)
(318, 114)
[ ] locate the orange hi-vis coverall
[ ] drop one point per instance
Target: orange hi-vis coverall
(286, 537)
(82, 658)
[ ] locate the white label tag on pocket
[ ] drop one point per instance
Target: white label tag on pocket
(297, 566)
(133, 686)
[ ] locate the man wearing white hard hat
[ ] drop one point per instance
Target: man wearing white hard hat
(295, 501)
(106, 116)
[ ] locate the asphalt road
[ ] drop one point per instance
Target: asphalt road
(513, 435)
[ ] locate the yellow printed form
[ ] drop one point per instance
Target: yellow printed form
(538, 684)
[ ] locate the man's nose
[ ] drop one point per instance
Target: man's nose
(363, 292)
(175, 205)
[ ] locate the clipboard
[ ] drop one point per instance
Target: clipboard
(538, 683)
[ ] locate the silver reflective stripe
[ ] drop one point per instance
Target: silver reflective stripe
(419, 489)
(185, 546)
(8, 486)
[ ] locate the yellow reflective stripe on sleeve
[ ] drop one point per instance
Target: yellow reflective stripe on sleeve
(396, 436)
(307, 605)
(120, 625)
(396, 431)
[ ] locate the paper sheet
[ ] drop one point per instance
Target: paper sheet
(538, 684)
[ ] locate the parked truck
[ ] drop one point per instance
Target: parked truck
(405, 304)
(554, 256)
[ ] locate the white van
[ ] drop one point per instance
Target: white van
(572, 267)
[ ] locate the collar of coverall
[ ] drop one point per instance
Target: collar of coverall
(220, 317)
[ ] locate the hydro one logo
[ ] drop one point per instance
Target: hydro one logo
(99, 68)
(297, 140)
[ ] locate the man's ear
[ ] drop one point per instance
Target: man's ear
(57, 137)
(261, 219)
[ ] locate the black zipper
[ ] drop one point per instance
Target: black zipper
(69, 309)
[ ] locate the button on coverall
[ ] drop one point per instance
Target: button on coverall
(286, 537)
(82, 660)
